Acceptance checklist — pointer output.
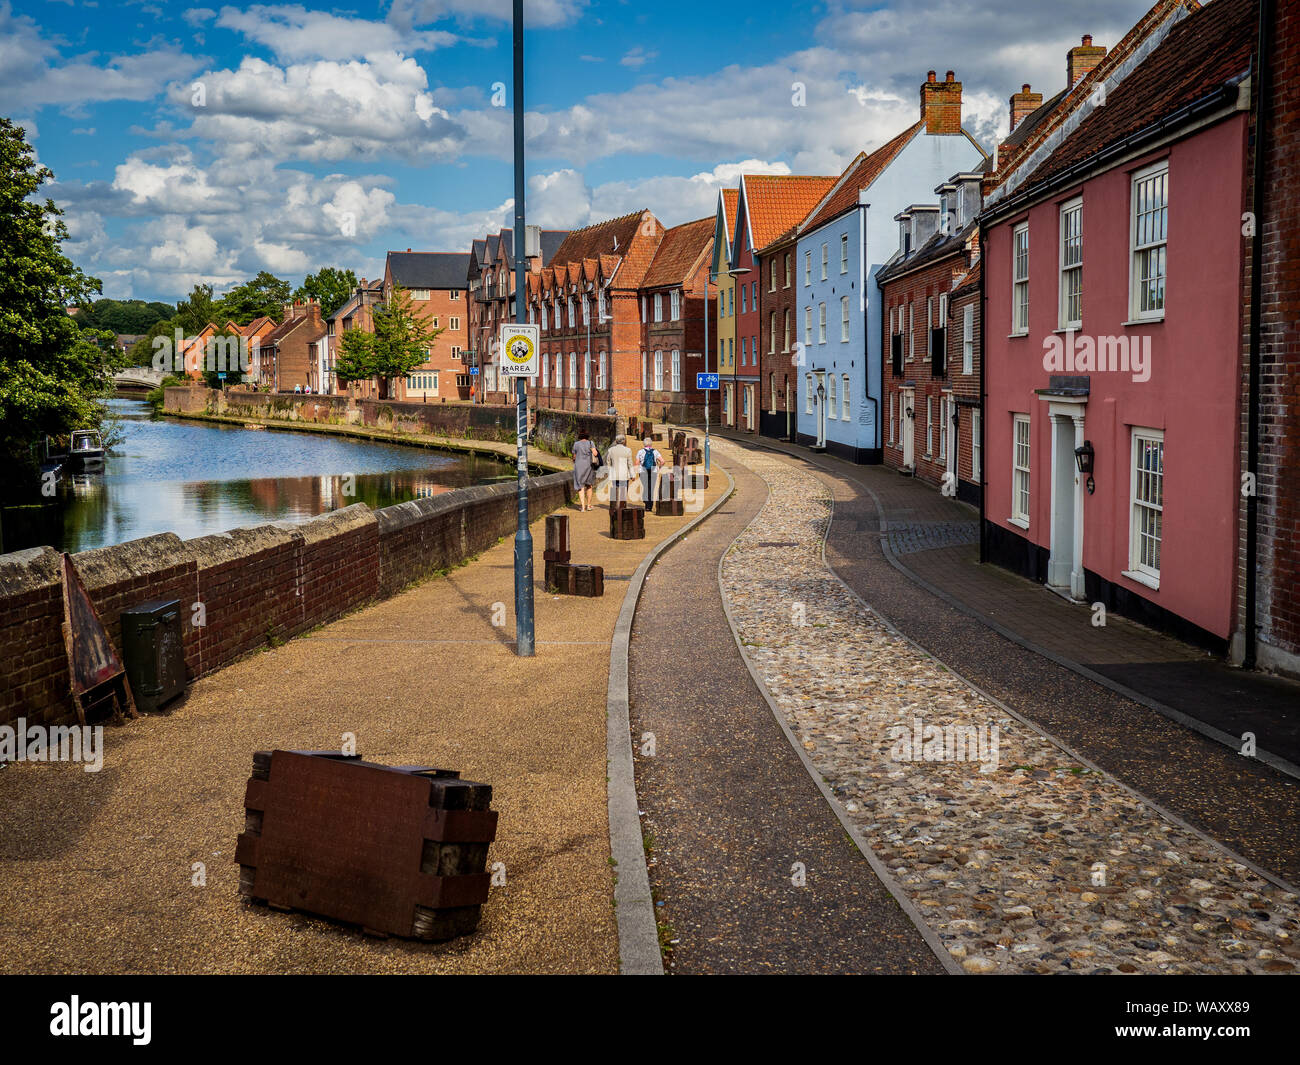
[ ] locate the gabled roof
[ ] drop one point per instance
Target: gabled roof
(772, 203)
(1204, 53)
(681, 253)
(1037, 134)
(611, 237)
(551, 239)
(937, 247)
(857, 176)
(423, 269)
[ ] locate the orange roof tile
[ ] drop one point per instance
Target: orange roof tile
(775, 202)
(680, 253)
(860, 173)
(611, 237)
(730, 199)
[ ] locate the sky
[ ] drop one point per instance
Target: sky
(204, 144)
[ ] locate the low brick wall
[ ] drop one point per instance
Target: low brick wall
(255, 586)
(460, 420)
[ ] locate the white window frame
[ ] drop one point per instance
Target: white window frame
(808, 394)
(832, 400)
(546, 366)
(659, 371)
(911, 330)
(929, 426)
(968, 339)
(659, 306)
(821, 323)
(643, 310)
(675, 298)
(943, 426)
(677, 370)
(1142, 481)
(844, 253)
(789, 274)
(1020, 280)
(1021, 473)
(573, 369)
(1140, 248)
(976, 451)
(892, 437)
(846, 401)
(826, 251)
(1071, 264)
(601, 379)
(807, 268)
(807, 327)
(844, 319)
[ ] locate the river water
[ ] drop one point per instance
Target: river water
(194, 478)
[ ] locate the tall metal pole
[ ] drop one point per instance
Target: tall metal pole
(707, 280)
(523, 538)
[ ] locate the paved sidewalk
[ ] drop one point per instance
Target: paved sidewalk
(1244, 803)
(96, 868)
(729, 807)
(937, 540)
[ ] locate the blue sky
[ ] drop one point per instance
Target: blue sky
(204, 143)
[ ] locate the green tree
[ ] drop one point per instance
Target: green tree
(53, 374)
(329, 286)
(123, 316)
(263, 297)
(400, 342)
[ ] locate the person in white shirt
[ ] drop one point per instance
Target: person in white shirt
(619, 460)
(648, 465)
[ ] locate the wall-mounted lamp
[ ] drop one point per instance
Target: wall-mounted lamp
(1084, 457)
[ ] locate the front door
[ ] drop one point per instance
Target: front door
(1065, 561)
(949, 411)
(909, 429)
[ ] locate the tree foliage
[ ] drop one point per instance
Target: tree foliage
(399, 343)
(329, 286)
(53, 374)
(131, 317)
(262, 297)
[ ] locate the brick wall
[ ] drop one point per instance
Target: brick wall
(1278, 488)
(255, 585)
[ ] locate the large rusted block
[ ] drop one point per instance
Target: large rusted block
(557, 538)
(627, 523)
(589, 581)
(559, 577)
(398, 850)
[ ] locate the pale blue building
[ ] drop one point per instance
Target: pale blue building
(842, 243)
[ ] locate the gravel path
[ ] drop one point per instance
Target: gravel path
(1027, 860)
(729, 807)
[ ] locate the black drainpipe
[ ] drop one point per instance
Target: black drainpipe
(984, 413)
(1261, 89)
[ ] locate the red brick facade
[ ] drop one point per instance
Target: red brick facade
(778, 337)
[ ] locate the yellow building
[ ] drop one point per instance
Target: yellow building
(725, 345)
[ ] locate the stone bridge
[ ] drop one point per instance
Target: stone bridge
(135, 378)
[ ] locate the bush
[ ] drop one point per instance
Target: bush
(155, 398)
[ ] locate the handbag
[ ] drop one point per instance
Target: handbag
(596, 461)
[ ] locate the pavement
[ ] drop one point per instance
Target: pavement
(98, 871)
(1041, 655)
(732, 817)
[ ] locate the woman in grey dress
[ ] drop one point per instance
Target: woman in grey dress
(584, 470)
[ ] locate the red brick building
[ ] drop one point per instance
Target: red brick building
(1268, 608)
(779, 337)
(768, 205)
(491, 288)
(675, 296)
(286, 352)
(587, 299)
(435, 281)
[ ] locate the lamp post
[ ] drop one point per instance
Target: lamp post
(523, 538)
(821, 413)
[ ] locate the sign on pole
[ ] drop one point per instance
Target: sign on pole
(706, 381)
(519, 350)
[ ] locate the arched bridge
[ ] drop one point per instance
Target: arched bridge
(138, 378)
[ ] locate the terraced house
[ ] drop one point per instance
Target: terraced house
(1113, 267)
(724, 337)
(435, 282)
(767, 206)
(587, 304)
(847, 238)
(675, 297)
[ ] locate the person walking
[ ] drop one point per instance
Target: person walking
(585, 458)
(648, 463)
(619, 460)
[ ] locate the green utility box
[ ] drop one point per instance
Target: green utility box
(153, 653)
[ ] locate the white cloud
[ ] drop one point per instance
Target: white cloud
(638, 57)
(292, 32)
(408, 13)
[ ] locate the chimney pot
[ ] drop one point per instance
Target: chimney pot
(1025, 87)
(1023, 103)
(952, 76)
(1081, 59)
(1087, 40)
(930, 76)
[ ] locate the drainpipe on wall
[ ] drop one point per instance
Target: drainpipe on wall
(1261, 90)
(984, 413)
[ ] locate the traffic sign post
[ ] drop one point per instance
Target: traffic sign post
(706, 382)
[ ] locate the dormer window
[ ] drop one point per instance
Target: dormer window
(905, 235)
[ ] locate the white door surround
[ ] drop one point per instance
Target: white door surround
(1065, 561)
(908, 414)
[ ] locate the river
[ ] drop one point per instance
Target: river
(195, 478)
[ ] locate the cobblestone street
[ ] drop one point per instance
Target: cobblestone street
(1022, 857)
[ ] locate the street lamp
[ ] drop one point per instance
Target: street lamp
(821, 413)
(1084, 457)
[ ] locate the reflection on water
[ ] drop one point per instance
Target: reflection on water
(194, 478)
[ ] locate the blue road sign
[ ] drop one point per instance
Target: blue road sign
(706, 381)
(473, 371)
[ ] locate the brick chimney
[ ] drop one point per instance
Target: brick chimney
(1081, 59)
(941, 104)
(1023, 103)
